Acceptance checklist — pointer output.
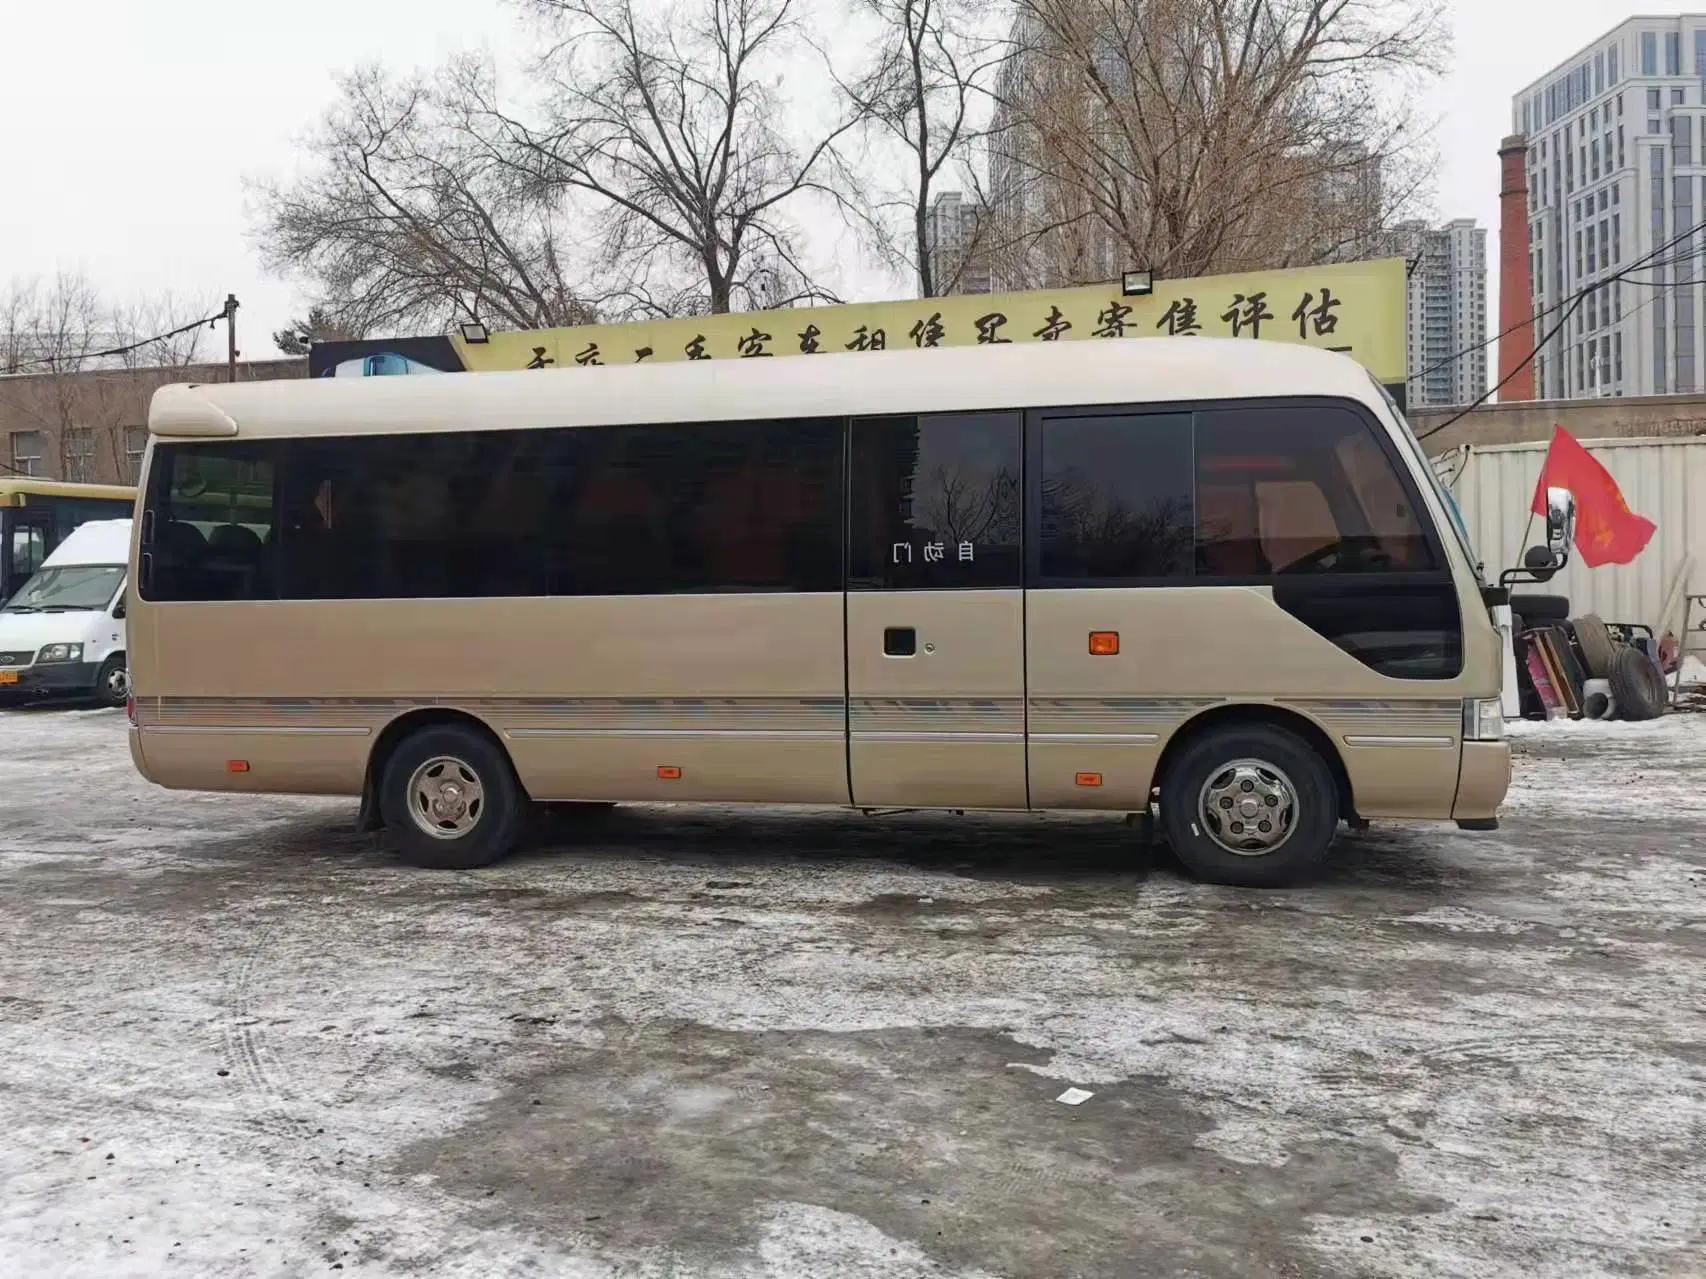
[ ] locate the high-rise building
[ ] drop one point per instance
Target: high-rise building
(1447, 321)
(1616, 169)
(954, 233)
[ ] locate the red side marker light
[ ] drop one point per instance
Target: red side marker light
(1104, 643)
(1088, 779)
(236, 765)
(669, 772)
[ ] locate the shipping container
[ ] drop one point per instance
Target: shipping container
(1662, 479)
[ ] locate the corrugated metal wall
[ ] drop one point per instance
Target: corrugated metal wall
(1665, 480)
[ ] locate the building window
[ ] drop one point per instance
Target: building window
(135, 445)
(78, 446)
(935, 502)
(1655, 99)
(1617, 357)
(26, 452)
(1676, 97)
(1682, 140)
(1660, 362)
(1700, 52)
(1673, 53)
(1655, 125)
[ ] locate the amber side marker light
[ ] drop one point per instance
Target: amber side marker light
(669, 772)
(236, 765)
(1088, 779)
(1104, 643)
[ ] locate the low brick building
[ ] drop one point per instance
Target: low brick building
(91, 426)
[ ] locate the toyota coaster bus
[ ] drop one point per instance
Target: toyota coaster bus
(1215, 579)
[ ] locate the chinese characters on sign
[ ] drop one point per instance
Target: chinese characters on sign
(1355, 307)
(1316, 315)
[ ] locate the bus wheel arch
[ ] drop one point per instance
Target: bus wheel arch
(450, 728)
(1274, 762)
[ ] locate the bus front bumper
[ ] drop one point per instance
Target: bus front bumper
(1483, 779)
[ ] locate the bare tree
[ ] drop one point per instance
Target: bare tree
(91, 366)
(317, 326)
(926, 93)
(1196, 136)
(406, 219)
(670, 130)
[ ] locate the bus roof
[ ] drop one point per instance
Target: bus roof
(948, 379)
(16, 490)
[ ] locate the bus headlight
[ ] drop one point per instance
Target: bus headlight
(60, 653)
(1483, 719)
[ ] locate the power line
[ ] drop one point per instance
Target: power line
(222, 314)
(1581, 295)
(1693, 254)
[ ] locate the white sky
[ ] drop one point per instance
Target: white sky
(130, 124)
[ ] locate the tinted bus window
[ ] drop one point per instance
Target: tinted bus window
(1115, 497)
(647, 510)
(209, 528)
(936, 501)
(1306, 489)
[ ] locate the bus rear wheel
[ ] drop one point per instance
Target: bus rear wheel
(450, 800)
(1252, 806)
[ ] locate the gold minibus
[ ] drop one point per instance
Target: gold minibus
(1209, 579)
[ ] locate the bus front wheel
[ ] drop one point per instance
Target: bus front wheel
(1251, 806)
(451, 800)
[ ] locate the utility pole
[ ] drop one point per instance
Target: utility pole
(231, 337)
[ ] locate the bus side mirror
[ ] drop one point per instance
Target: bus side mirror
(1560, 524)
(118, 611)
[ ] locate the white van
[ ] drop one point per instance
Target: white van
(63, 634)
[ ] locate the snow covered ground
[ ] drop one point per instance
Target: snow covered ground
(237, 1039)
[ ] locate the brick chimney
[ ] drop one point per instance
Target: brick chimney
(1516, 282)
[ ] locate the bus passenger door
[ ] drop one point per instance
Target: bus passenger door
(935, 613)
(28, 539)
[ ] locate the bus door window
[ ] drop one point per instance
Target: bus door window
(26, 548)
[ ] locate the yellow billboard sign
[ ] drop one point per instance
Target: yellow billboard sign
(1357, 308)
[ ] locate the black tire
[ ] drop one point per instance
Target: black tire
(1315, 806)
(1541, 608)
(490, 827)
(1595, 642)
(112, 682)
(1637, 684)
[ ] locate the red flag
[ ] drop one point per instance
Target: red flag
(1607, 531)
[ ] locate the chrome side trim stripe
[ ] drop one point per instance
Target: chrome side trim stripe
(292, 730)
(758, 734)
(1366, 739)
(1002, 739)
(1106, 739)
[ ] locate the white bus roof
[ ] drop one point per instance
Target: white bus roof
(948, 379)
(96, 542)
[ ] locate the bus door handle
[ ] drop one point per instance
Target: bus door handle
(900, 641)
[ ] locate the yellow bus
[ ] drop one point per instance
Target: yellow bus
(36, 515)
(1212, 580)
